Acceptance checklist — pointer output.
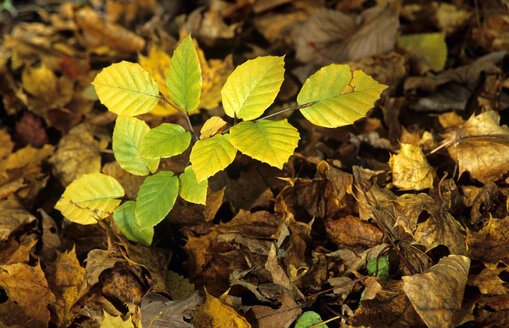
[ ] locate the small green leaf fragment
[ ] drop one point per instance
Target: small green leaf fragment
(383, 267)
(211, 155)
(272, 142)
(156, 198)
(341, 102)
(190, 189)
(184, 78)
(126, 89)
(164, 141)
(252, 87)
(125, 218)
(308, 319)
(127, 136)
(431, 46)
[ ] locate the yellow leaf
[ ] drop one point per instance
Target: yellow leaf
(211, 155)
(431, 46)
(211, 127)
(37, 81)
(214, 314)
(116, 322)
(410, 169)
(6, 144)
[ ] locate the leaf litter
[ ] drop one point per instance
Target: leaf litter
(417, 190)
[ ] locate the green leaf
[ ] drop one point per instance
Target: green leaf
(89, 198)
(431, 46)
(126, 89)
(341, 97)
(190, 189)
(184, 76)
(125, 218)
(164, 141)
(383, 267)
(127, 136)
(211, 155)
(156, 198)
(252, 87)
(272, 142)
(309, 318)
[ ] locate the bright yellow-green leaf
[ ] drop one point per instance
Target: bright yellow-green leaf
(431, 46)
(127, 136)
(125, 218)
(341, 96)
(272, 142)
(252, 87)
(211, 155)
(211, 127)
(164, 141)
(116, 322)
(190, 189)
(184, 76)
(156, 198)
(126, 89)
(89, 198)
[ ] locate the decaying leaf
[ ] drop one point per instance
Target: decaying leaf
(158, 311)
(352, 231)
(14, 216)
(437, 293)
(266, 316)
(214, 314)
(410, 169)
(490, 243)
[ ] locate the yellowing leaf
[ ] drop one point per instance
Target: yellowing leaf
(90, 198)
(431, 46)
(184, 76)
(126, 89)
(125, 218)
(340, 96)
(214, 74)
(156, 198)
(156, 64)
(214, 314)
(252, 87)
(164, 141)
(116, 322)
(190, 189)
(211, 155)
(272, 142)
(127, 137)
(211, 127)
(37, 81)
(410, 169)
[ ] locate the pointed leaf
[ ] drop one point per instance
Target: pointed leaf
(89, 198)
(272, 142)
(341, 102)
(190, 189)
(126, 89)
(252, 87)
(126, 220)
(184, 76)
(211, 155)
(127, 136)
(156, 198)
(212, 126)
(164, 141)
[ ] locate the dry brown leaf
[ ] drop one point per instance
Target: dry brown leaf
(214, 314)
(481, 147)
(17, 252)
(448, 17)
(13, 217)
(488, 281)
(352, 231)
(494, 33)
(97, 261)
(410, 169)
(28, 295)
(66, 277)
(490, 243)
(331, 36)
(6, 144)
(208, 26)
(437, 293)
(265, 316)
(158, 311)
(122, 284)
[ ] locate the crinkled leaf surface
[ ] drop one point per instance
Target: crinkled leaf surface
(126, 89)
(184, 76)
(156, 198)
(341, 102)
(126, 220)
(272, 142)
(431, 46)
(164, 141)
(190, 189)
(127, 137)
(89, 198)
(252, 87)
(211, 155)
(410, 169)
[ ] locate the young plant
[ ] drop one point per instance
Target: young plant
(332, 97)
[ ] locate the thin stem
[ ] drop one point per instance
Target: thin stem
(286, 110)
(163, 98)
(326, 321)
